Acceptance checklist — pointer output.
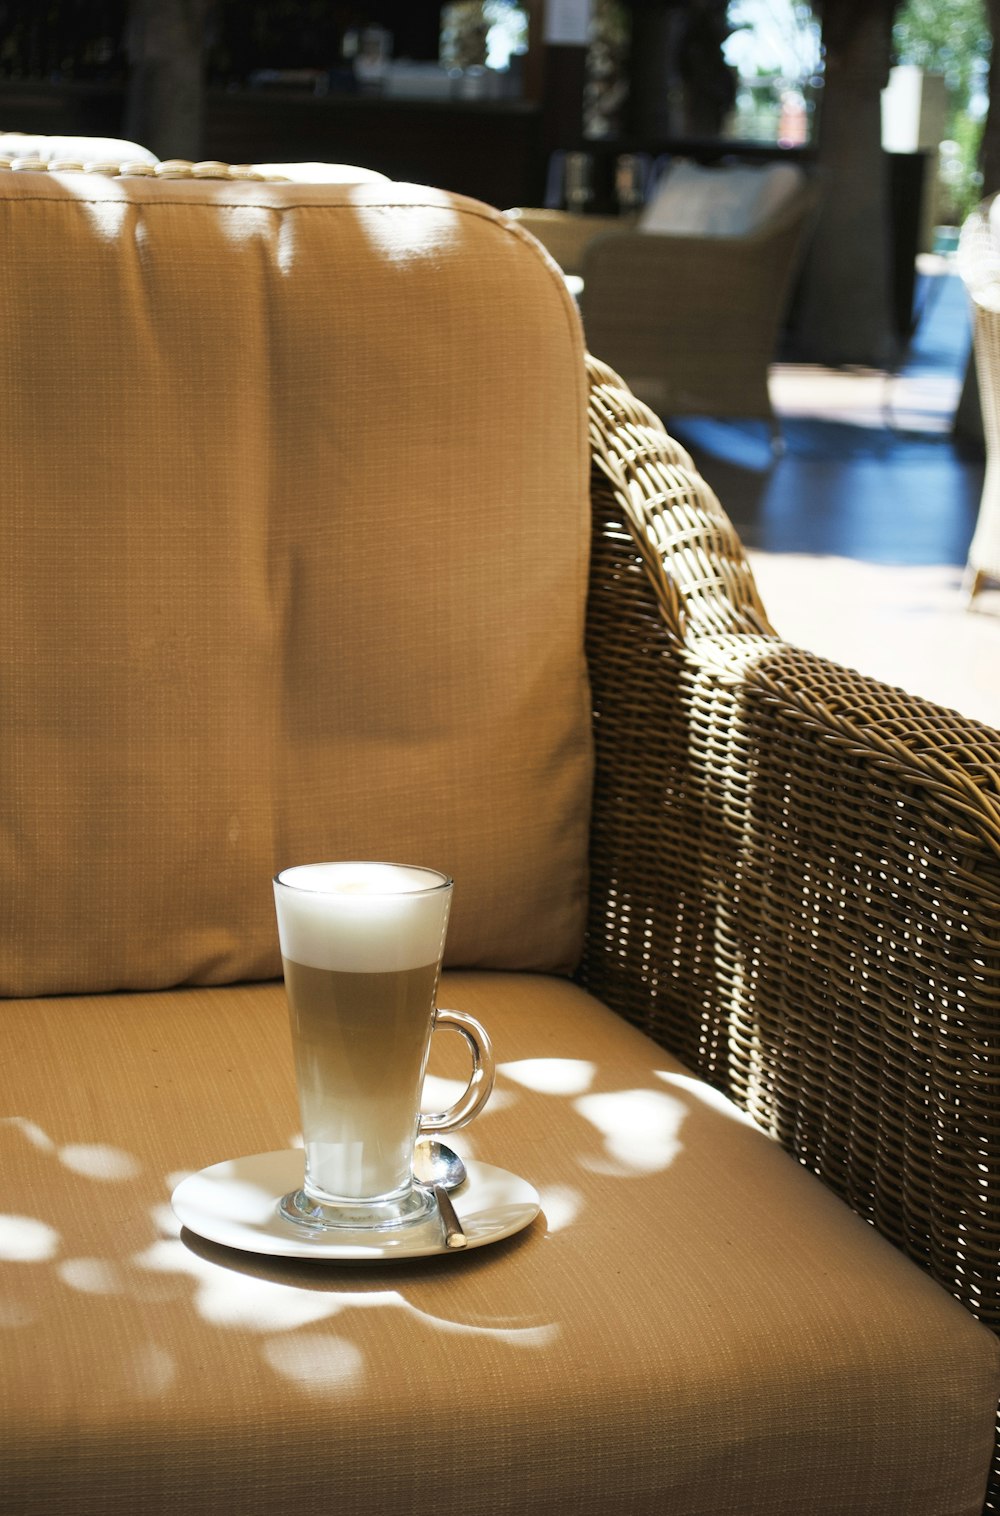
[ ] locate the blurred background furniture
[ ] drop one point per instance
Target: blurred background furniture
(687, 299)
(979, 265)
(567, 236)
(218, 659)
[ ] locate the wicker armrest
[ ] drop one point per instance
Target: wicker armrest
(796, 869)
(697, 567)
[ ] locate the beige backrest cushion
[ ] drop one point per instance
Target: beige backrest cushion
(293, 558)
(727, 201)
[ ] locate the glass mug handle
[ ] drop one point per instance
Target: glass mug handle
(480, 1084)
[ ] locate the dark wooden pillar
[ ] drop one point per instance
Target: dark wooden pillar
(164, 108)
(655, 108)
(556, 72)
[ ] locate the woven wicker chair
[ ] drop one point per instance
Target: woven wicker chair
(815, 926)
(794, 885)
(691, 323)
(979, 266)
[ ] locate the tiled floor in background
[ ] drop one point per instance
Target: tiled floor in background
(859, 531)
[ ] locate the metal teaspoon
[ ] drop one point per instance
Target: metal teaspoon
(438, 1169)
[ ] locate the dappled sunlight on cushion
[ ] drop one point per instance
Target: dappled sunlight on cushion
(108, 221)
(688, 1084)
(247, 224)
(439, 1093)
(227, 1298)
(96, 1160)
(165, 1220)
(148, 1371)
(24, 1239)
(285, 249)
(639, 1128)
(31, 1131)
(15, 1313)
(422, 232)
(561, 1205)
(540, 1335)
(105, 202)
(91, 1276)
(314, 1361)
(234, 1298)
(551, 1076)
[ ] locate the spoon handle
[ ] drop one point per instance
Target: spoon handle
(453, 1234)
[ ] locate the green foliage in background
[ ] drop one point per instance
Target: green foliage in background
(951, 37)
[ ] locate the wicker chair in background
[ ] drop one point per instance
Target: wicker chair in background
(690, 322)
(979, 266)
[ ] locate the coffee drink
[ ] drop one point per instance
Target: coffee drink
(360, 1042)
(362, 947)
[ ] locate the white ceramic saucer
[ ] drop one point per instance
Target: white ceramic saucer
(236, 1203)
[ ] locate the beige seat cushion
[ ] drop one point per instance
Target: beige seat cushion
(293, 563)
(695, 1325)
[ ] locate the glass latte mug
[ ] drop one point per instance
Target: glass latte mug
(361, 945)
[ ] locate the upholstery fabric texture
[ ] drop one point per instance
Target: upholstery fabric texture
(219, 402)
(694, 1324)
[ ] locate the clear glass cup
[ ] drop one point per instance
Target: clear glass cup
(361, 945)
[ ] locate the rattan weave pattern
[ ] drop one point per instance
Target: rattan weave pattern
(795, 870)
(167, 168)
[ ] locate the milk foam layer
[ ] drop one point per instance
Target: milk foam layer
(362, 918)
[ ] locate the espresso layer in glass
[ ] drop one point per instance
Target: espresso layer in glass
(360, 1042)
